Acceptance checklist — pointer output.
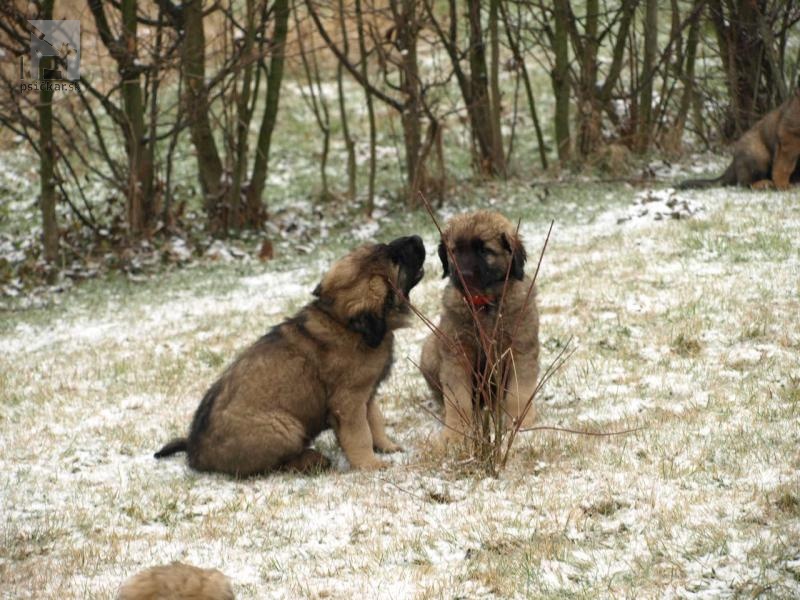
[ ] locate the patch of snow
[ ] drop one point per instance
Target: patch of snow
(367, 231)
(614, 411)
(744, 356)
(222, 252)
(660, 205)
(686, 496)
(178, 250)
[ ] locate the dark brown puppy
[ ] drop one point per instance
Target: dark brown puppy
(317, 370)
(766, 155)
(487, 250)
(177, 581)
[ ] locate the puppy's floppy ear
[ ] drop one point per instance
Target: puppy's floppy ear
(372, 327)
(444, 259)
(518, 256)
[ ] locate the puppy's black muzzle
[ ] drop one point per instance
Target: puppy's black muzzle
(471, 274)
(409, 253)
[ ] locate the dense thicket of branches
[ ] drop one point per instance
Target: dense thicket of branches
(159, 75)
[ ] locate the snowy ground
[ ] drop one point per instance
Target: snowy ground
(686, 324)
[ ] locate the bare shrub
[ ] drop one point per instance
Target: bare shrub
(494, 373)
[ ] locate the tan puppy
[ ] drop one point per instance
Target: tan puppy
(487, 252)
(177, 582)
(766, 154)
(317, 370)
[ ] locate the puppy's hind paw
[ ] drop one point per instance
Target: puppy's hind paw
(307, 462)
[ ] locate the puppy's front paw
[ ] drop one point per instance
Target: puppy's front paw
(448, 438)
(387, 446)
(373, 464)
(763, 184)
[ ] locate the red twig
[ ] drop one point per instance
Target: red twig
(582, 432)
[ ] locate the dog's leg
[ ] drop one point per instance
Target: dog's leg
(783, 166)
(353, 432)
(430, 364)
(458, 410)
(380, 441)
(518, 400)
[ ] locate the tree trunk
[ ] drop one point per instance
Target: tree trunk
(560, 77)
(256, 210)
(498, 156)
(349, 144)
(686, 74)
(588, 105)
(47, 187)
(628, 9)
(474, 87)
(196, 107)
(490, 158)
(140, 192)
(645, 122)
(741, 50)
(362, 48)
(318, 104)
(771, 57)
(140, 153)
(243, 116)
(152, 86)
(416, 173)
(513, 43)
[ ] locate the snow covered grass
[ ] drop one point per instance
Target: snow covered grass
(686, 327)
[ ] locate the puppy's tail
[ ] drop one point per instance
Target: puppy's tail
(172, 447)
(727, 178)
